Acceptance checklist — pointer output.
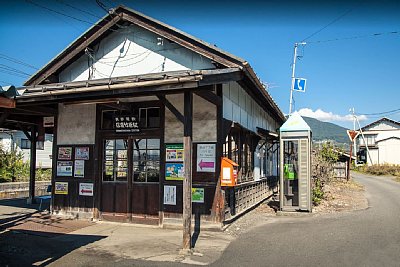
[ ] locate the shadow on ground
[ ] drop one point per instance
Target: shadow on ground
(30, 237)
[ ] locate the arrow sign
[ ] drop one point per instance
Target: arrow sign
(204, 164)
(86, 189)
(205, 158)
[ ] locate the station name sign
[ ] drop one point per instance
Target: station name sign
(126, 124)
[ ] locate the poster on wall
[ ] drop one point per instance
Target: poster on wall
(65, 153)
(198, 195)
(79, 168)
(174, 171)
(64, 168)
(205, 158)
(82, 153)
(174, 152)
(86, 189)
(61, 188)
(169, 195)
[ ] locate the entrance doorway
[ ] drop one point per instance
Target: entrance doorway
(130, 177)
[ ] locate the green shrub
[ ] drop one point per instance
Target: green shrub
(317, 192)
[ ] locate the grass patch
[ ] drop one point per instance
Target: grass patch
(381, 170)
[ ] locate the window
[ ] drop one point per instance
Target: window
(116, 160)
(26, 144)
(146, 160)
(239, 148)
(149, 117)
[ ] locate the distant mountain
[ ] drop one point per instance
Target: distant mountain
(327, 131)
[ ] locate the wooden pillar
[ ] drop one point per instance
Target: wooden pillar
(54, 164)
(187, 181)
(32, 175)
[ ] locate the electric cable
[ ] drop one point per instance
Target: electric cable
(327, 25)
(355, 37)
(14, 60)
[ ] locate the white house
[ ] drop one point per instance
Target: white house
(12, 139)
(383, 140)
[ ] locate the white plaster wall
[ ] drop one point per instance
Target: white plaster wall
(133, 51)
(173, 127)
(204, 120)
(389, 151)
(76, 124)
(238, 106)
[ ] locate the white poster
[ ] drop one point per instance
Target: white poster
(86, 189)
(169, 195)
(205, 158)
(79, 168)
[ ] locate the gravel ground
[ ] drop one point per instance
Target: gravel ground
(340, 196)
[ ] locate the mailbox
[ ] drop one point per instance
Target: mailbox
(229, 171)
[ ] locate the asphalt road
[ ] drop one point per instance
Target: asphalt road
(368, 237)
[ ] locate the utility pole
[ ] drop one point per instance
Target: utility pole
(293, 75)
(355, 139)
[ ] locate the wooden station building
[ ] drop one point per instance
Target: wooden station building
(119, 101)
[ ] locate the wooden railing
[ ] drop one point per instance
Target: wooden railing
(244, 196)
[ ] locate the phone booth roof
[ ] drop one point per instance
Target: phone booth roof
(295, 123)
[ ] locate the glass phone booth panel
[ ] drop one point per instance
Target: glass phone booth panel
(290, 173)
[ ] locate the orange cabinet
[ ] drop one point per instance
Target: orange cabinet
(229, 171)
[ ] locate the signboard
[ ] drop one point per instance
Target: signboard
(61, 188)
(174, 171)
(299, 84)
(48, 122)
(86, 189)
(79, 168)
(65, 153)
(82, 153)
(126, 124)
(352, 134)
(174, 152)
(169, 195)
(198, 195)
(205, 158)
(64, 168)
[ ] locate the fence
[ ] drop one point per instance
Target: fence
(21, 189)
(242, 197)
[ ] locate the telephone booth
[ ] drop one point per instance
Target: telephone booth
(295, 165)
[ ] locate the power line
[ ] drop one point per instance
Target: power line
(17, 61)
(327, 25)
(380, 113)
(2, 66)
(355, 37)
(78, 9)
(59, 13)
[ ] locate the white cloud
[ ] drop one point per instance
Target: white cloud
(321, 115)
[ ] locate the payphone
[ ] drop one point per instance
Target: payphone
(295, 165)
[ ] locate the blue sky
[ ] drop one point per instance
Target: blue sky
(359, 70)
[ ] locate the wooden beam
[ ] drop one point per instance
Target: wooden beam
(7, 102)
(210, 97)
(171, 108)
(187, 181)
(3, 117)
(37, 110)
(22, 128)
